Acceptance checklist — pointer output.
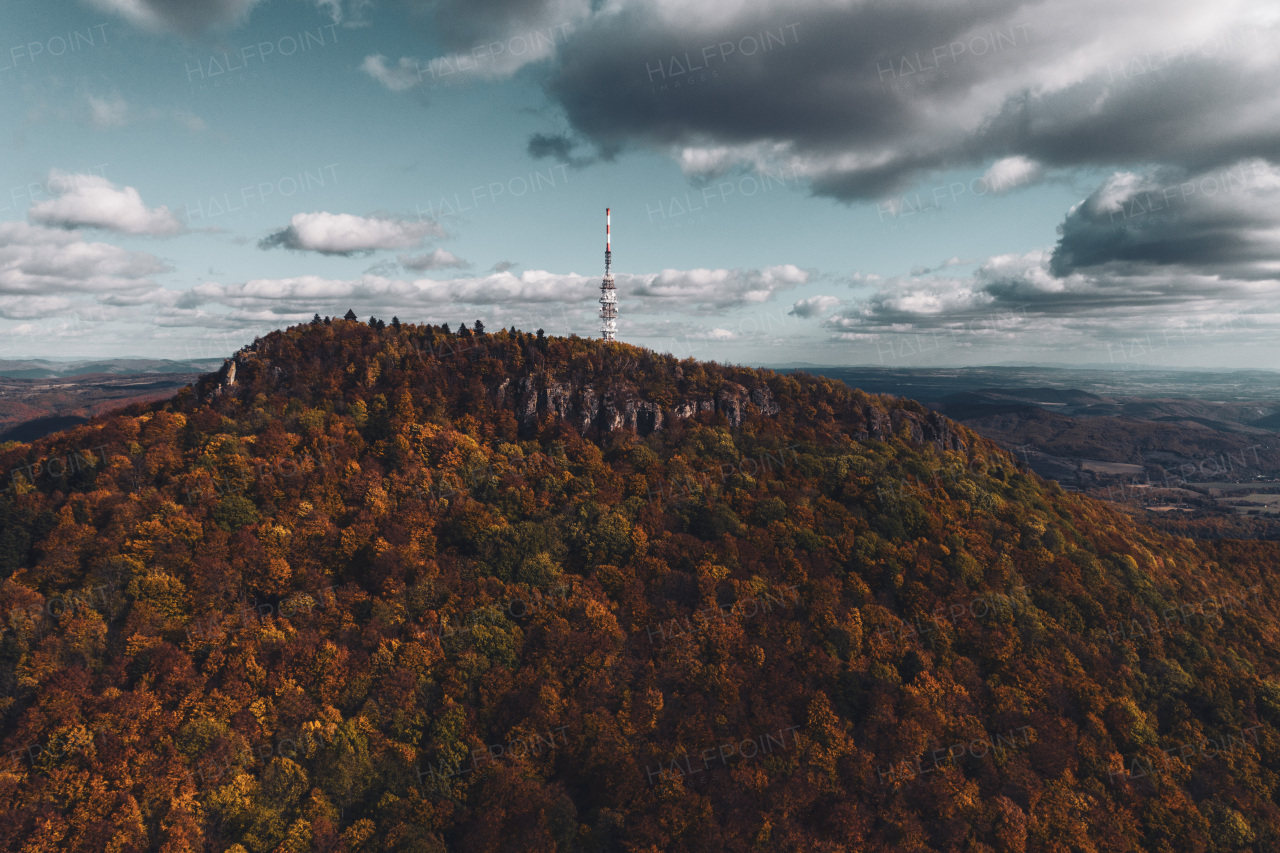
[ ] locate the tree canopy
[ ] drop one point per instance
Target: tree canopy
(390, 590)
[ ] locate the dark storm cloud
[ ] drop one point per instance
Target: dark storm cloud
(867, 99)
(812, 77)
(1201, 112)
(1224, 221)
(558, 147)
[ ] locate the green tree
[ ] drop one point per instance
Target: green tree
(234, 512)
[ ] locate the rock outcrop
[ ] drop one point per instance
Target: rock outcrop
(921, 427)
(214, 385)
(622, 407)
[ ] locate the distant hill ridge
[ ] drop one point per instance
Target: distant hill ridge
(49, 369)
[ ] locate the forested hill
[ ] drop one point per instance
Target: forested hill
(405, 589)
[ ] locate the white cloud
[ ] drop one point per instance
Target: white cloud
(1016, 301)
(374, 292)
(91, 201)
(707, 290)
(433, 260)
(1157, 252)
(184, 18)
(406, 73)
(706, 162)
(190, 121)
(348, 13)
(106, 113)
(688, 291)
(814, 306)
(1011, 172)
(38, 263)
(491, 45)
(346, 234)
(32, 308)
(193, 18)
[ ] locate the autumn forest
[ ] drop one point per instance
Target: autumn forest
(385, 586)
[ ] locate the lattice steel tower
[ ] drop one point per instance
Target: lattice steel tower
(608, 294)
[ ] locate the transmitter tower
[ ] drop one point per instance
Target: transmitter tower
(608, 293)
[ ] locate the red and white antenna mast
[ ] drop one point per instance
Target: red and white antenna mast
(608, 294)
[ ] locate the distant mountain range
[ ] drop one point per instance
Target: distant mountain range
(1067, 414)
(1106, 366)
(41, 396)
(42, 368)
(931, 384)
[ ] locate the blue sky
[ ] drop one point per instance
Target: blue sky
(832, 183)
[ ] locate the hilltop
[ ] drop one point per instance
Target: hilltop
(407, 589)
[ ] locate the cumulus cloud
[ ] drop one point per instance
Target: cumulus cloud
(1225, 221)
(91, 201)
(44, 262)
(346, 234)
(434, 260)
(292, 295)
(31, 308)
(707, 290)
(1010, 172)
(708, 162)
(1017, 300)
(814, 306)
(1160, 251)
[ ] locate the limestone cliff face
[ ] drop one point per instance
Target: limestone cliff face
(585, 407)
(922, 428)
(622, 407)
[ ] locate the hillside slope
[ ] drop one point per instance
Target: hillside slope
(407, 590)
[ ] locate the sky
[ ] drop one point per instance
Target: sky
(966, 182)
